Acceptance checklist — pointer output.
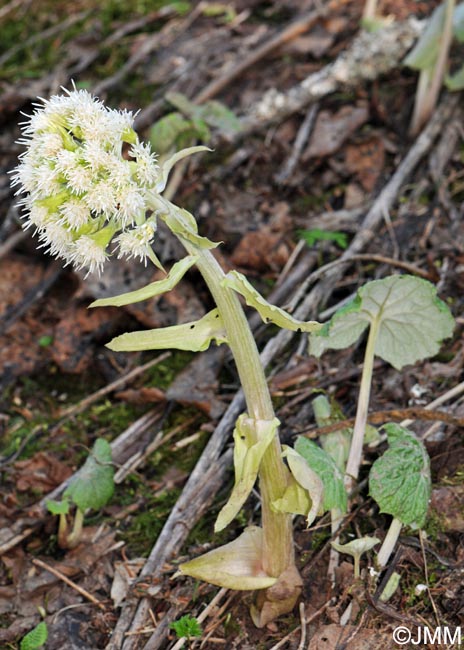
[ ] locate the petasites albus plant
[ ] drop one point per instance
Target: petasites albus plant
(86, 200)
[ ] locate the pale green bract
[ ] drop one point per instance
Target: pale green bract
(399, 481)
(411, 321)
(195, 336)
(93, 486)
(179, 269)
(304, 493)
(269, 313)
(237, 565)
(170, 162)
(326, 468)
(251, 439)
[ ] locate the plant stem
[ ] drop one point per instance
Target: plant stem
(277, 527)
(336, 518)
(354, 458)
(74, 536)
(370, 8)
(389, 542)
(63, 532)
(430, 80)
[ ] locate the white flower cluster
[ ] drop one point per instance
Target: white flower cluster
(80, 191)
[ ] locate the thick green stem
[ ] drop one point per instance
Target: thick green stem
(277, 527)
(389, 542)
(354, 458)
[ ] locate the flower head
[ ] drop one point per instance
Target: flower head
(78, 185)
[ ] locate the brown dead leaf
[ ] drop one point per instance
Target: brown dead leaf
(366, 161)
(146, 395)
(267, 247)
(329, 637)
(125, 574)
(18, 275)
(72, 350)
(331, 130)
(20, 352)
(354, 197)
(448, 502)
(42, 472)
(197, 384)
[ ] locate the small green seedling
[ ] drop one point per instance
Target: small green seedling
(356, 548)
(430, 57)
(316, 235)
(407, 323)
(45, 341)
(399, 481)
(187, 627)
(191, 122)
(36, 638)
(90, 489)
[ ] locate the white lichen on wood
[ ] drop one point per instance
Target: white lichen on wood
(371, 55)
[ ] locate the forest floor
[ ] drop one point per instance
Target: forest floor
(332, 165)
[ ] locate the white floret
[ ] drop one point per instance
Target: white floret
(136, 242)
(131, 204)
(66, 161)
(47, 181)
(120, 174)
(147, 170)
(101, 198)
(95, 156)
(57, 239)
(80, 179)
(74, 214)
(37, 216)
(86, 253)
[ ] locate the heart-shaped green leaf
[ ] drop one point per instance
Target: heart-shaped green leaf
(410, 320)
(93, 486)
(58, 507)
(326, 468)
(399, 481)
